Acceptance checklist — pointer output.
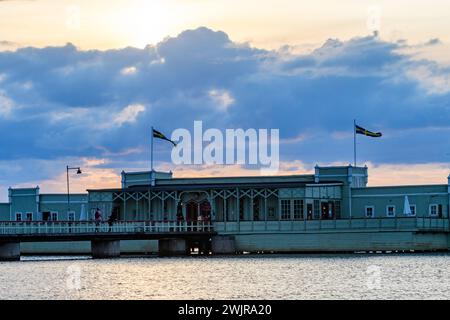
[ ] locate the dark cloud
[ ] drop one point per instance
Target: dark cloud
(59, 102)
(433, 42)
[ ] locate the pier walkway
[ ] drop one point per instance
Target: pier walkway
(175, 237)
(412, 224)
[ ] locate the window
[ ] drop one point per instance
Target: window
(324, 210)
(54, 216)
(241, 209)
(298, 209)
(46, 216)
(285, 209)
(165, 212)
(71, 216)
(433, 210)
(18, 216)
(309, 211)
(331, 210)
(29, 216)
(256, 209)
(412, 208)
(370, 211)
(390, 211)
(337, 209)
(316, 209)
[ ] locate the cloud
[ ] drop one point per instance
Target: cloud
(128, 70)
(222, 98)
(379, 174)
(407, 174)
(433, 80)
(7, 43)
(61, 102)
(433, 42)
(6, 105)
(128, 114)
(90, 178)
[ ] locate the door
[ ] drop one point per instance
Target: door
(324, 210)
(191, 211)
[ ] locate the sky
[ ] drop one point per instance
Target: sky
(81, 82)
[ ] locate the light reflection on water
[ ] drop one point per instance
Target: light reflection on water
(358, 276)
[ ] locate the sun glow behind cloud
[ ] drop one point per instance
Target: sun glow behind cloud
(146, 22)
(96, 24)
(102, 24)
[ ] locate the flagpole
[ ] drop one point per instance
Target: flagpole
(354, 142)
(152, 174)
(151, 155)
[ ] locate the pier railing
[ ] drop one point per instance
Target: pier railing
(87, 227)
(373, 224)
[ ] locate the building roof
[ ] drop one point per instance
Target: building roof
(230, 185)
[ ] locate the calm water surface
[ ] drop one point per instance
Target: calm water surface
(358, 276)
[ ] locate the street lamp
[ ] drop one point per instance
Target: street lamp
(68, 192)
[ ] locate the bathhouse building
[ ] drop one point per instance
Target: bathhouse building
(329, 210)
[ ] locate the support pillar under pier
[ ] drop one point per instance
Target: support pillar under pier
(223, 245)
(9, 251)
(172, 247)
(103, 249)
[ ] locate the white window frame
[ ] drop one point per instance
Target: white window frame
(18, 214)
(70, 213)
(51, 215)
(289, 205)
(437, 210)
(317, 206)
(26, 216)
(415, 209)
(301, 204)
(373, 211)
(387, 211)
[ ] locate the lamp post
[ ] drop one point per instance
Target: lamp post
(68, 190)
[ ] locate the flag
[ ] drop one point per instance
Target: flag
(159, 135)
(361, 130)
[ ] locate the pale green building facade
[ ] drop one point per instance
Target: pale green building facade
(28, 204)
(330, 210)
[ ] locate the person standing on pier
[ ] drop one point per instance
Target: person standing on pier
(98, 219)
(112, 218)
